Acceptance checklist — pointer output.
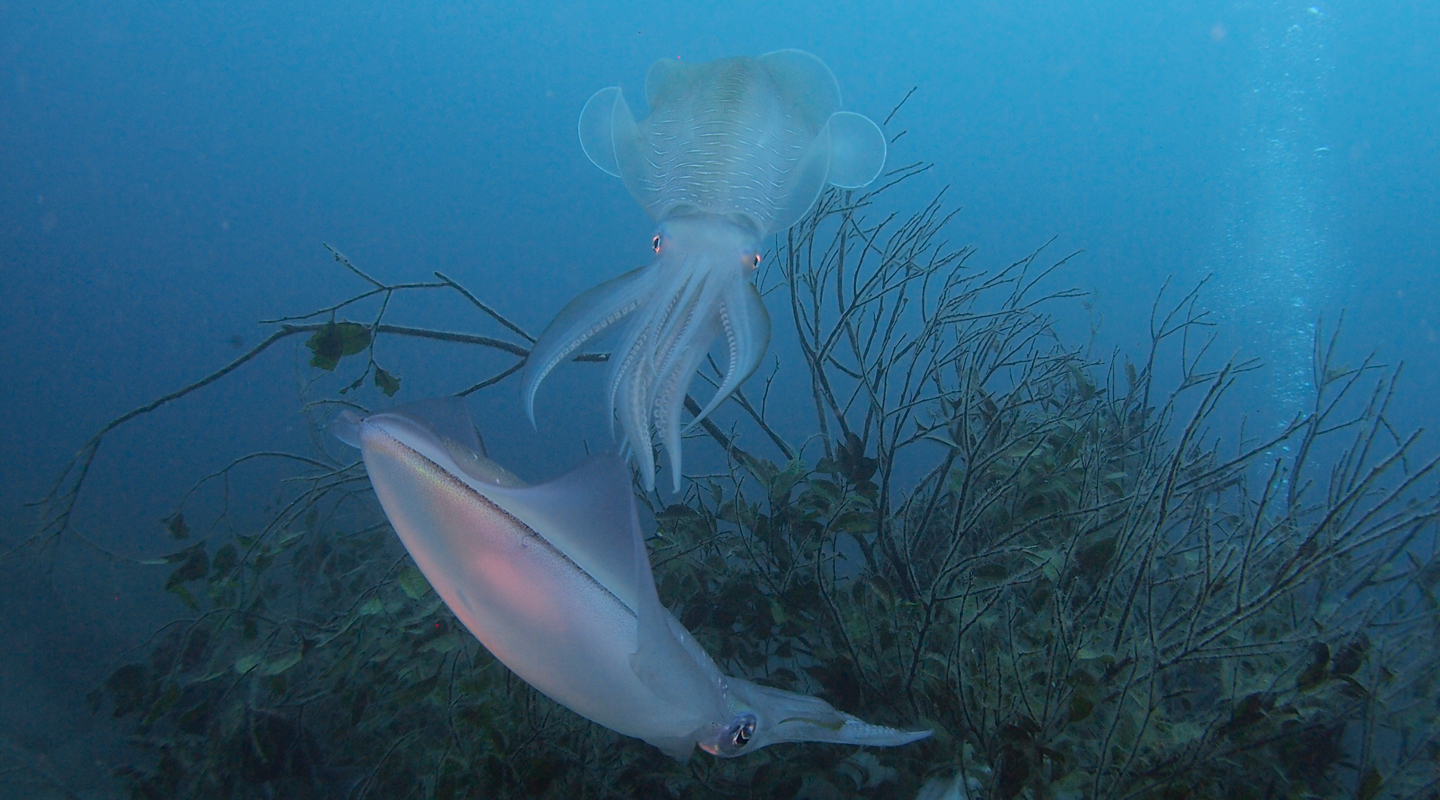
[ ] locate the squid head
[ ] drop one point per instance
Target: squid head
(730, 153)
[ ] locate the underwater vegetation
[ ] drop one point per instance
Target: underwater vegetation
(1061, 566)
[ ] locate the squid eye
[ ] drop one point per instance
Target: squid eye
(741, 732)
(756, 265)
(731, 739)
(742, 735)
(656, 243)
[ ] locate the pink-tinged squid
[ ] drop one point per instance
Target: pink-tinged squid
(555, 581)
(731, 152)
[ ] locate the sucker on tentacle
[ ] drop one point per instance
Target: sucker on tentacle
(579, 341)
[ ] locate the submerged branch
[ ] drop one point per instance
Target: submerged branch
(59, 502)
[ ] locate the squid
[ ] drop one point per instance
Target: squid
(554, 579)
(731, 152)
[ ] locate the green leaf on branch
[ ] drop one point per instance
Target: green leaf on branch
(1093, 559)
(764, 471)
(162, 704)
(177, 527)
(226, 558)
(414, 583)
(385, 382)
(186, 596)
(1315, 674)
(130, 687)
(281, 664)
(336, 340)
(1080, 707)
(194, 565)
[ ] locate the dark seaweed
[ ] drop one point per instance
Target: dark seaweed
(1052, 561)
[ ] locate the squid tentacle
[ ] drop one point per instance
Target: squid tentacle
(747, 331)
(582, 319)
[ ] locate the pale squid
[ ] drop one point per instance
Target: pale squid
(555, 581)
(731, 152)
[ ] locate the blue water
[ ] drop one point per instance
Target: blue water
(169, 171)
